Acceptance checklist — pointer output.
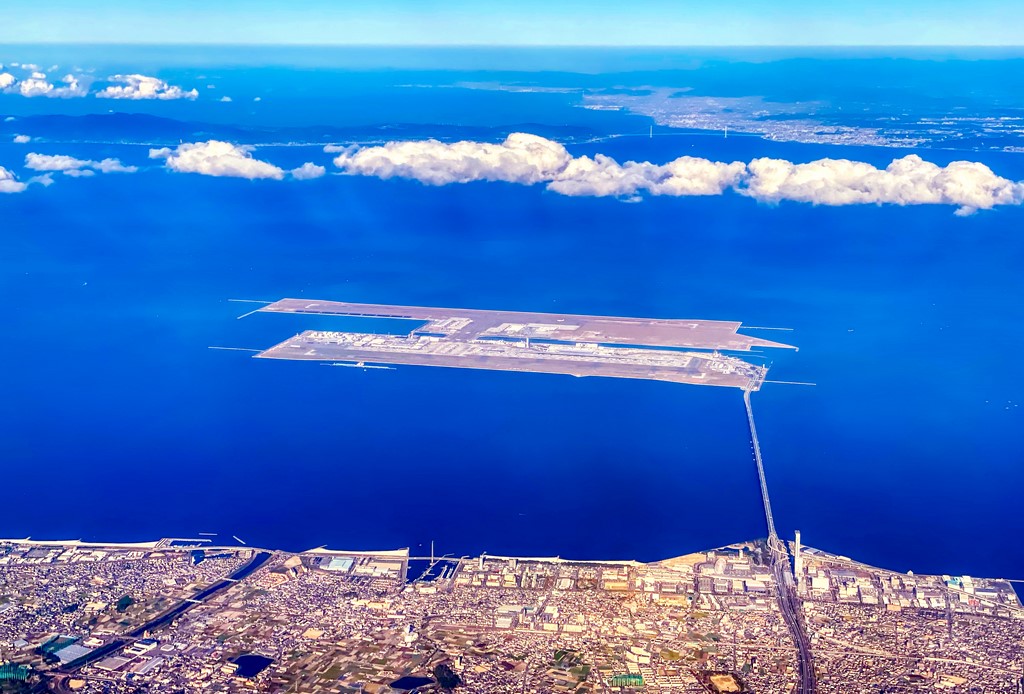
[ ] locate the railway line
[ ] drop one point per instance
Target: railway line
(789, 603)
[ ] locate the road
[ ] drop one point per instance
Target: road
(258, 560)
(789, 603)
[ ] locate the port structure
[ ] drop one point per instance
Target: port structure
(673, 350)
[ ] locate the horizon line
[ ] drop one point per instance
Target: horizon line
(515, 45)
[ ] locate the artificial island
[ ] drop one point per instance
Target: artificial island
(680, 351)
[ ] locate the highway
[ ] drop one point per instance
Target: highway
(789, 603)
(258, 560)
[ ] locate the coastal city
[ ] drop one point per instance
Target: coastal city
(766, 615)
(181, 615)
(405, 294)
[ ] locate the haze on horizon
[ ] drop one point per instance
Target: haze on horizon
(523, 23)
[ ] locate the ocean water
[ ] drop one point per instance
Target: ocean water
(118, 422)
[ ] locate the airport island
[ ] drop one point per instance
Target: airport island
(679, 351)
(767, 615)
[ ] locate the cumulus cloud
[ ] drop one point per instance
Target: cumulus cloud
(52, 162)
(34, 87)
(603, 176)
(225, 99)
(138, 87)
(216, 158)
(9, 182)
(72, 87)
(521, 158)
(308, 171)
(908, 181)
(39, 85)
(70, 166)
(529, 159)
(21, 139)
(110, 165)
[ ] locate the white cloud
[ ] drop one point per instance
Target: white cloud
(22, 139)
(603, 176)
(529, 159)
(137, 87)
(225, 99)
(72, 87)
(70, 166)
(111, 165)
(34, 87)
(9, 183)
(216, 158)
(908, 181)
(52, 162)
(521, 158)
(38, 85)
(308, 171)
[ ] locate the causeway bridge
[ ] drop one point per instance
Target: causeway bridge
(789, 603)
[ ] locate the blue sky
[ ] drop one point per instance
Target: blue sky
(529, 22)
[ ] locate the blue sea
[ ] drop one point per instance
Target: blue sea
(117, 421)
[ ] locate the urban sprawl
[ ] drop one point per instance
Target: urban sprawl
(183, 616)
